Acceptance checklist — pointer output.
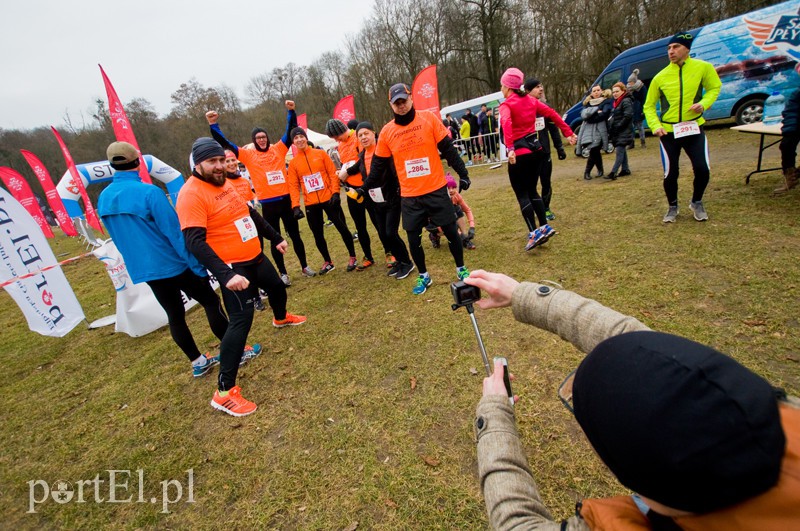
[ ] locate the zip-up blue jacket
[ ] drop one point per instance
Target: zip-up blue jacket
(145, 229)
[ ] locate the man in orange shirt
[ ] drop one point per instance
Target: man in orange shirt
(414, 139)
(348, 149)
(313, 175)
(266, 164)
(222, 232)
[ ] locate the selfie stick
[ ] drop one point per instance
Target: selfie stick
(471, 312)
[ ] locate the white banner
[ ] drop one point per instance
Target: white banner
(138, 311)
(46, 298)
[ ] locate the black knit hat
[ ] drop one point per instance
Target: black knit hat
(204, 148)
(531, 83)
(297, 131)
(682, 37)
(365, 125)
(352, 124)
(335, 127)
(678, 422)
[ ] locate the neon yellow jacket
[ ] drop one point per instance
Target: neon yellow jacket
(678, 88)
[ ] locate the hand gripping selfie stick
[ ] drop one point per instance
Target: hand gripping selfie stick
(465, 295)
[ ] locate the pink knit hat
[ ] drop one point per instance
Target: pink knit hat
(512, 78)
(451, 183)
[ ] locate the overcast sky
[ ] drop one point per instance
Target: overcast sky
(50, 49)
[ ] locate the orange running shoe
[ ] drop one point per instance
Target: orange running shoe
(391, 261)
(289, 320)
(233, 403)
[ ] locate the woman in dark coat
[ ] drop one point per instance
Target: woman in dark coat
(619, 129)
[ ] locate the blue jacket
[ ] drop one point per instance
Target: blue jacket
(145, 229)
(790, 113)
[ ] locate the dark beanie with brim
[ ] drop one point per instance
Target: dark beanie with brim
(678, 422)
(297, 131)
(204, 148)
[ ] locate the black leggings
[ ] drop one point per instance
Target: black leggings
(454, 242)
(275, 212)
(595, 159)
(546, 176)
(239, 304)
(524, 176)
(696, 148)
(358, 211)
(788, 149)
(387, 218)
(336, 215)
(168, 294)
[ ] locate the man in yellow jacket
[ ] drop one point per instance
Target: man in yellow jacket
(685, 88)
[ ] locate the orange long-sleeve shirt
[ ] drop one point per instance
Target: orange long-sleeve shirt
(312, 175)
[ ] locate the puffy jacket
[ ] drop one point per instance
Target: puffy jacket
(677, 88)
(620, 130)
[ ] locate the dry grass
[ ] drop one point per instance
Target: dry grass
(341, 436)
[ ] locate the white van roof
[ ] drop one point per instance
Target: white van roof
(475, 102)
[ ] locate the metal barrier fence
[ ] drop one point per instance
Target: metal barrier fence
(481, 150)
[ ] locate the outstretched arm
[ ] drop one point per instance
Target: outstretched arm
(291, 122)
(216, 133)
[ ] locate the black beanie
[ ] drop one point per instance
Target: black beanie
(531, 83)
(678, 422)
(257, 130)
(297, 131)
(682, 37)
(352, 124)
(204, 148)
(335, 127)
(364, 125)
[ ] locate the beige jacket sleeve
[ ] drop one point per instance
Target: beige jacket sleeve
(512, 498)
(581, 321)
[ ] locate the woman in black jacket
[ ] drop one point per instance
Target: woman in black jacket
(619, 129)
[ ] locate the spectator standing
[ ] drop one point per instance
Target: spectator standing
(620, 131)
(791, 136)
(638, 90)
(594, 131)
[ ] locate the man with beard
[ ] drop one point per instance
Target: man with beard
(266, 164)
(415, 140)
(222, 232)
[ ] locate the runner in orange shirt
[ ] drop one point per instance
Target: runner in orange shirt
(235, 177)
(266, 164)
(313, 175)
(415, 139)
(222, 232)
(348, 149)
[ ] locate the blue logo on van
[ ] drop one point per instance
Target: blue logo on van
(786, 31)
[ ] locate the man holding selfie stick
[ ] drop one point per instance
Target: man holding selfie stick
(702, 441)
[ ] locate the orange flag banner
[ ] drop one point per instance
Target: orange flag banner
(425, 90)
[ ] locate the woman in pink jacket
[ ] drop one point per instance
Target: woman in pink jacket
(518, 115)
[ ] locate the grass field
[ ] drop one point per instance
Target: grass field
(365, 412)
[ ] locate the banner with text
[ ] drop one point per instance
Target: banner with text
(345, 110)
(53, 199)
(425, 90)
(77, 184)
(46, 298)
(22, 192)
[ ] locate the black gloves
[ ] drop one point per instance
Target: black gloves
(463, 184)
(361, 193)
(297, 213)
(471, 233)
(335, 199)
(562, 154)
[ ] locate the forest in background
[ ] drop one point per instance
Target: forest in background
(563, 43)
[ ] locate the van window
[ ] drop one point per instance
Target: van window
(608, 80)
(649, 69)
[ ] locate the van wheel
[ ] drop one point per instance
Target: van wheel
(749, 112)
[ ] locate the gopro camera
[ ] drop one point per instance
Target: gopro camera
(464, 294)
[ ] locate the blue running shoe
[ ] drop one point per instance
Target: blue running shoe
(534, 239)
(462, 272)
(250, 352)
(202, 370)
(547, 233)
(421, 285)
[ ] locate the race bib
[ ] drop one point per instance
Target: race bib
(313, 182)
(348, 164)
(246, 227)
(275, 177)
(539, 123)
(376, 195)
(685, 129)
(418, 167)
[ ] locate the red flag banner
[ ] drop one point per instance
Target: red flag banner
(53, 199)
(425, 90)
(21, 191)
(122, 126)
(302, 121)
(77, 182)
(345, 110)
